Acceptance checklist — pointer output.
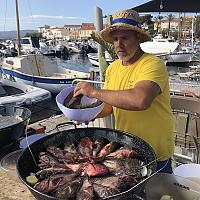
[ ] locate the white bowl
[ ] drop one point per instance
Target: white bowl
(190, 171)
(80, 115)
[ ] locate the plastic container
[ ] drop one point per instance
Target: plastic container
(176, 187)
(8, 162)
(80, 115)
(190, 171)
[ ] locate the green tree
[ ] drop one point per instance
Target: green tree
(34, 34)
(146, 19)
(169, 17)
(151, 29)
(157, 20)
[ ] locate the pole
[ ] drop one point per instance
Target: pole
(99, 27)
(192, 42)
(18, 28)
(109, 120)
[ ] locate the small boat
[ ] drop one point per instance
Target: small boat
(40, 71)
(73, 47)
(20, 94)
(181, 57)
(159, 45)
(190, 76)
(195, 67)
(94, 59)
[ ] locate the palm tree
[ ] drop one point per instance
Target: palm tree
(169, 17)
(156, 19)
(146, 19)
(158, 22)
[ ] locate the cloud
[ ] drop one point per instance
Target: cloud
(46, 17)
(55, 17)
(36, 21)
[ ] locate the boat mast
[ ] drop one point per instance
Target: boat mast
(192, 42)
(18, 28)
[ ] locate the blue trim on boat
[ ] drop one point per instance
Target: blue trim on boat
(37, 79)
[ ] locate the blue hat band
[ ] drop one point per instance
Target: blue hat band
(126, 21)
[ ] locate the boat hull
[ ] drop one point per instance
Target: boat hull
(20, 94)
(94, 59)
(158, 47)
(54, 85)
(181, 58)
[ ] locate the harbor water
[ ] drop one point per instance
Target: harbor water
(81, 63)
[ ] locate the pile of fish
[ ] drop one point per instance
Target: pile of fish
(75, 102)
(92, 169)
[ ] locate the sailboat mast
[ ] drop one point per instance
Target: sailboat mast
(192, 42)
(18, 28)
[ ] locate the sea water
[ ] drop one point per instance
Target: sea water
(81, 62)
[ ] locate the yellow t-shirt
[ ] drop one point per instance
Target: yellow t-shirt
(154, 125)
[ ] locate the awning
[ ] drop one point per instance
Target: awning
(191, 6)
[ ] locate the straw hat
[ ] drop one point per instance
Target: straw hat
(124, 20)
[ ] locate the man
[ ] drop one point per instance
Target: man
(136, 88)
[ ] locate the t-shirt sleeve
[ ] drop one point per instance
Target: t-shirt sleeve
(154, 70)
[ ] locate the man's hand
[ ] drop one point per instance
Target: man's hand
(86, 89)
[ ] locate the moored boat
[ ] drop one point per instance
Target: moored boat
(20, 94)
(40, 71)
(159, 45)
(94, 59)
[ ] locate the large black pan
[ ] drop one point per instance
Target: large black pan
(16, 119)
(26, 163)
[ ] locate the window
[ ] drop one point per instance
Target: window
(25, 41)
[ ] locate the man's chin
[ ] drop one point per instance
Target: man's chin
(125, 59)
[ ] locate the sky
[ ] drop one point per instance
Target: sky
(37, 13)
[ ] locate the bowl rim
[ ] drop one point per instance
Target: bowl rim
(7, 156)
(69, 88)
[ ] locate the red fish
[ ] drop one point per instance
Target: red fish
(109, 148)
(123, 152)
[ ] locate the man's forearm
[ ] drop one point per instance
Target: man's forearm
(121, 99)
(107, 110)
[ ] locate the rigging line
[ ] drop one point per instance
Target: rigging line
(4, 27)
(31, 13)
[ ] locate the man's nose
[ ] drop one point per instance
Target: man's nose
(119, 43)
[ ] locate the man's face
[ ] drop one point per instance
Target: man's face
(126, 43)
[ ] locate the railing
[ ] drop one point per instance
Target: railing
(187, 135)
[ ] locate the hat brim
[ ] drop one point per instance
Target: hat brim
(106, 33)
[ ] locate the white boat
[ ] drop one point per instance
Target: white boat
(40, 71)
(20, 94)
(181, 57)
(189, 76)
(159, 45)
(94, 59)
(73, 47)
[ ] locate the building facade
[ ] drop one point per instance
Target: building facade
(68, 32)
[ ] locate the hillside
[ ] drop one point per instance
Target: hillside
(12, 34)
